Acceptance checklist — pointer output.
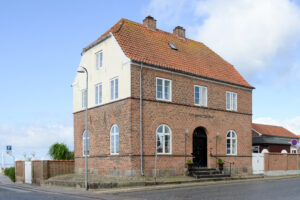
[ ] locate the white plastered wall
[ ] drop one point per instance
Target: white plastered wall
(115, 64)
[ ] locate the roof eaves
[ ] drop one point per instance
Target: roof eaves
(196, 75)
(96, 43)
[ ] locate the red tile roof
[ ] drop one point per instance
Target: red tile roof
(273, 130)
(143, 45)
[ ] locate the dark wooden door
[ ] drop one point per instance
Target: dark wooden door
(200, 147)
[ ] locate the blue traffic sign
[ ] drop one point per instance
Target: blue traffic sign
(8, 148)
(294, 142)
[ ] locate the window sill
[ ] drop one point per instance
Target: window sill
(200, 105)
(114, 154)
(167, 100)
(164, 154)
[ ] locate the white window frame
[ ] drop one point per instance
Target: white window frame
(163, 89)
(98, 94)
(293, 150)
(83, 98)
(202, 101)
(232, 106)
(99, 59)
(114, 91)
(163, 134)
(113, 147)
(231, 138)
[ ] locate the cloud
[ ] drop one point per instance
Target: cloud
(292, 124)
(250, 34)
(36, 137)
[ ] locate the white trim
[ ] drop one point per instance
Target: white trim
(114, 144)
(257, 132)
(231, 100)
(99, 102)
(163, 89)
(200, 95)
(112, 97)
(231, 139)
(164, 134)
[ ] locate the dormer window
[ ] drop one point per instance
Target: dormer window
(172, 46)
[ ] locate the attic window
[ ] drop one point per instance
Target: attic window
(172, 46)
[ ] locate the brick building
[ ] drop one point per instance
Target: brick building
(151, 92)
(272, 138)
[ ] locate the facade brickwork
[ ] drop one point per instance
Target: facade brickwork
(281, 162)
(181, 115)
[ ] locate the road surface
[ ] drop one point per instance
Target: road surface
(248, 190)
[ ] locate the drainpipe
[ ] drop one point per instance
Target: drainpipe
(141, 119)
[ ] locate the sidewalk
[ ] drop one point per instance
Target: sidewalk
(4, 179)
(100, 182)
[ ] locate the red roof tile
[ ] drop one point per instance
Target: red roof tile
(148, 46)
(272, 130)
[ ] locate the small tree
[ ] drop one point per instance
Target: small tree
(60, 151)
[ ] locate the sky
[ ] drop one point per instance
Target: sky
(41, 42)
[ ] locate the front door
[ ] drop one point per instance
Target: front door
(200, 147)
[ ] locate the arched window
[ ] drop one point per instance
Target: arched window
(231, 143)
(163, 139)
(114, 140)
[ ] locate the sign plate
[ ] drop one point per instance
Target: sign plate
(294, 142)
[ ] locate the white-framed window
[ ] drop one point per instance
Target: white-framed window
(294, 150)
(99, 59)
(200, 95)
(163, 89)
(231, 101)
(98, 94)
(114, 140)
(83, 98)
(163, 140)
(114, 88)
(231, 143)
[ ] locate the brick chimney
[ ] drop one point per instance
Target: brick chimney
(179, 32)
(150, 23)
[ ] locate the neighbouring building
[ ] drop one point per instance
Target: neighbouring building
(151, 92)
(272, 139)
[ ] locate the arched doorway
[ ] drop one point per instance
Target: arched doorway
(200, 147)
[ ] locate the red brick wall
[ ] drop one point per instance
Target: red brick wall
(180, 115)
(278, 161)
(19, 171)
(44, 169)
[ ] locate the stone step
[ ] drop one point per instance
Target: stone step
(213, 176)
(195, 168)
(205, 172)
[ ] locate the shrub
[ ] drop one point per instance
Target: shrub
(10, 172)
(60, 152)
(189, 162)
(220, 161)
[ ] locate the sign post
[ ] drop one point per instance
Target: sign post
(9, 152)
(296, 144)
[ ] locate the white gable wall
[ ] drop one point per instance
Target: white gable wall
(115, 64)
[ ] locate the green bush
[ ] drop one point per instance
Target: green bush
(60, 151)
(10, 172)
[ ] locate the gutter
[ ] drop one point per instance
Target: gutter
(141, 114)
(96, 43)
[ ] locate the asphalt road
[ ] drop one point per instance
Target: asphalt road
(288, 189)
(259, 190)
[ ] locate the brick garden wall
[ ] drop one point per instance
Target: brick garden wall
(283, 162)
(44, 169)
(20, 171)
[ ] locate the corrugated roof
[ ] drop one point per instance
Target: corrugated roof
(144, 45)
(273, 130)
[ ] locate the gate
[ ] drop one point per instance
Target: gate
(28, 172)
(258, 163)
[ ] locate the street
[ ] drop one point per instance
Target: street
(247, 190)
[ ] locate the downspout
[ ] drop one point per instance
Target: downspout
(141, 119)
